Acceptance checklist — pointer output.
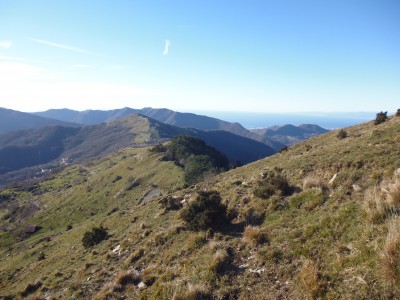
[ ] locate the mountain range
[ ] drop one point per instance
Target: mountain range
(167, 116)
(289, 134)
(15, 120)
(58, 144)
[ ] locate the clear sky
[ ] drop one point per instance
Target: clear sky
(227, 55)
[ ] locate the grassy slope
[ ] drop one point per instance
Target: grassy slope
(321, 243)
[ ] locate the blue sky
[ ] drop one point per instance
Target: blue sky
(260, 56)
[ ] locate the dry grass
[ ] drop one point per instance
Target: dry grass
(254, 236)
(391, 254)
(311, 281)
(374, 205)
(380, 203)
(220, 261)
(126, 278)
(313, 181)
(393, 195)
(192, 293)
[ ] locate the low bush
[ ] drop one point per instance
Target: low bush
(126, 278)
(342, 134)
(283, 149)
(380, 118)
(160, 148)
(205, 212)
(31, 288)
(273, 182)
(170, 203)
(254, 217)
(94, 237)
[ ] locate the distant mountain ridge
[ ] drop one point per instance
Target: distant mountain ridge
(167, 116)
(289, 134)
(16, 120)
(29, 148)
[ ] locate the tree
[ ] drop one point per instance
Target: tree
(342, 134)
(380, 118)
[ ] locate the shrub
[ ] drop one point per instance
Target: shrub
(160, 148)
(197, 167)
(91, 238)
(41, 256)
(283, 149)
(342, 134)
(206, 211)
(398, 113)
(391, 254)
(117, 178)
(254, 217)
(272, 182)
(255, 236)
(126, 278)
(170, 203)
(198, 159)
(380, 118)
(31, 288)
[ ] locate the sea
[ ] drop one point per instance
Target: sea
(262, 120)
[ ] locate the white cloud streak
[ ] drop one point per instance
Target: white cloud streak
(166, 47)
(62, 46)
(6, 44)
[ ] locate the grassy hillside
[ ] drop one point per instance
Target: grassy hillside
(317, 221)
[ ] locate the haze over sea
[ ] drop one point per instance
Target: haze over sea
(325, 120)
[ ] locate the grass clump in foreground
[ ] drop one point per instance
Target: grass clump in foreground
(391, 255)
(205, 212)
(254, 236)
(380, 202)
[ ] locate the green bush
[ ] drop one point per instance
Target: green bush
(197, 167)
(283, 149)
(205, 212)
(342, 134)
(380, 118)
(91, 238)
(272, 182)
(196, 157)
(160, 148)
